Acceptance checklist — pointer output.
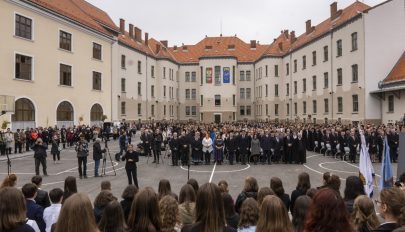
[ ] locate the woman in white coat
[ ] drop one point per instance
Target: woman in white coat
(207, 148)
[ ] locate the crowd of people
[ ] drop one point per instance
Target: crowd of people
(205, 208)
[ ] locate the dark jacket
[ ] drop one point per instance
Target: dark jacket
(197, 227)
(244, 144)
(134, 156)
(242, 197)
(39, 151)
(97, 151)
(42, 198)
(126, 207)
(22, 228)
(294, 195)
(388, 227)
(36, 212)
(265, 142)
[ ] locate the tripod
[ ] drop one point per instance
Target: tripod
(105, 160)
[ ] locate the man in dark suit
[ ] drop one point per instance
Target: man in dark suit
(352, 142)
(278, 145)
(184, 147)
(196, 148)
(231, 145)
(34, 211)
(174, 147)
(244, 146)
(393, 143)
(42, 197)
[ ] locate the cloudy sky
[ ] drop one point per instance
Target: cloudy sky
(189, 21)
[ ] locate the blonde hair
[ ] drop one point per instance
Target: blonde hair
(364, 213)
(169, 213)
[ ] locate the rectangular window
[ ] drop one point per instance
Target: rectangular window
(295, 108)
(152, 71)
(314, 58)
(188, 94)
(193, 76)
(391, 104)
(295, 66)
(139, 109)
(164, 110)
(295, 87)
(123, 85)
(152, 110)
(242, 93)
(187, 77)
(23, 27)
(139, 66)
(248, 93)
(339, 76)
(97, 51)
(201, 76)
(217, 75)
(287, 67)
(325, 80)
(354, 41)
(267, 90)
(123, 108)
(355, 100)
(314, 106)
(326, 104)
(96, 81)
(288, 109)
(164, 91)
(201, 100)
(123, 62)
(276, 90)
(267, 70)
(287, 89)
(65, 77)
(340, 104)
(194, 110)
(242, 110)
(217, 100)
(23, 67)
(164, 72)
(304, 85)
(248, 110)
(193, 94)
(313, 83)
(304, 62)
(188, 111)
(139, 89)
(242, 76)
(355, 73)
(325, 53)
(276, 109)
(248, 77)
(267, 109)
(233, 74)
(65, 41)
(233, 100)
(304, 107)
(339, 47)
(276, 70)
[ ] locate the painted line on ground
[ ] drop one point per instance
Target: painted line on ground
(334, 170)
(358, 167)
(205, 171)
(309, 157)
(212, 174)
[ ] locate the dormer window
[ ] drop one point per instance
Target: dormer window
(208, 47)
(231, 47)
(185, 49)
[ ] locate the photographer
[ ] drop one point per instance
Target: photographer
(97, 155)
(131, 157)
(82, 149)
(39, 149)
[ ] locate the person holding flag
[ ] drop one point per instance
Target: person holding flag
(366, 170)
(387, 178)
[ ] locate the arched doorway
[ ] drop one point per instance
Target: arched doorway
(96, 115)
(24, 114)
(65, 115)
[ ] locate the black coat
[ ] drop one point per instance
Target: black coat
(244, 144)
(42, 198)
(231, 144)
(39, 151)
(174, 144)
(134, 156)
(97, 151)
(265, 142)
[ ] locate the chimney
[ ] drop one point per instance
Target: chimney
(334, 13)
(175, 48)
(292, 37)
(165, 43)
(280, 46)
(157, 48)
(308, 26)
(131, 30)
(138, 34)
(146, 39)
(122, 26)
(285, 33)
(253, 44)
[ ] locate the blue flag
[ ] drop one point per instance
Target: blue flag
(387, 177)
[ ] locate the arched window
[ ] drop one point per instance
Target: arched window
(64, 112)
(96, 113)
(24, 110)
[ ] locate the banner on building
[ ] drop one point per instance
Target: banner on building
(209, 75)
(227, 75)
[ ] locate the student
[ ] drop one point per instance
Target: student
(364, 216)
(273, 216)
(42, 198)
(145, 215)
(51, 213)
(300, 212)
(187, 204)
(248, 216)
(101, 201)
(9, 181)
(328, 213)
(128, 197)
(34, 211)
(165, 189)
(390, 204)
(263, 192)
(249, 190)
(277, 186)
(76, 215)
(232, 218)
(303, 185)
(169, 214)
(105, 185)
(113, 218)
(354, 188)
(194, 183)
(210, 216)
(70, 188)
(13, 211)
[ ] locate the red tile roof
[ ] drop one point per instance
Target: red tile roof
(79, 11)
(139, 46)
(398, 72)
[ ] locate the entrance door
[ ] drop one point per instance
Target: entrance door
(217, 118)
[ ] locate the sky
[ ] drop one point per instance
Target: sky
(189, 21)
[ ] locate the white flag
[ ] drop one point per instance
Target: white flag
(366, 168)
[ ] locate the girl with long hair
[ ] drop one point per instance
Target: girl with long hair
(232, 218)
(165, 189)
(303, 185)
(76, 215)
(364, 216)
(248, 216)
(187, 204)
(70, 188)
(145, 215)
(390, 205)
(169, 213)
(113, 218)
(273, 216)
(277, 186)
(249, 190)
(354, 188)
(300, 212)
